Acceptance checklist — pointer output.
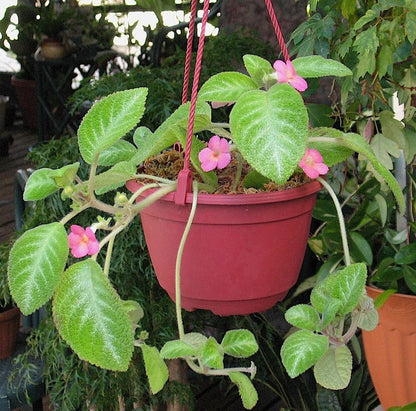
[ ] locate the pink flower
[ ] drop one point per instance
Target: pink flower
(312, 164)
(216, 155)
(286, 74)
(82, 242)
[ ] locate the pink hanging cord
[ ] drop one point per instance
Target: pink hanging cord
(277, 30)
(185, 176)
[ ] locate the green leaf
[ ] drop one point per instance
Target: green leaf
(333, 369)
(258, 68)
(239, 343)
(370, 15)
(406, 255)
(36, 263)
(156, 369)
(91, 317)
(255, 180)
(360, 249)
(409, 274)
(65, 176)
(301, 350)
(328, 400)
(393, 129)
(212, 354)
(109, 120)
(270, 129)
(177, 349)
(303, 316)
(134, 311)
(368, 319)
(333, 149)
(122, 150)
(40, 185)
(226, 87)
(367, 41)
(383, 149)
(347, 285)
(317, 66)
(410, 26)
(246, 389)
(358, 144)
(114, 177)
(195, 339)
(383, 297)
(384, 60)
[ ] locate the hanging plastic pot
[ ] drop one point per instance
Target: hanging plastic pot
(244, 252)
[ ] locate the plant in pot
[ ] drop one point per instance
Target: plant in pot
(267, 143)
(383, 80)
(9, 313)
(23, 45)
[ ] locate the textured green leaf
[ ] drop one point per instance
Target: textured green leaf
(301, 350)
(195, 339)
(212, 354)
(317, 66)
(239, 343)
(156, 369)
(226, 87)
(270, 129)
(328, 400)
(348, 285)
(246, 389)
(108, 120)
(333, 151)
(258, 68)
(91, 317)
(36, 263)
(177, 349)
(115, 177)
(333, 369)
(409, 274)
(392, 129)
(384, 60)
(40, 185)
(122, 150)
(303, 316)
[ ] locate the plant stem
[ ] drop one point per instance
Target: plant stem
(74, 213)
(108, 256)
(179, 260)
(334, 197)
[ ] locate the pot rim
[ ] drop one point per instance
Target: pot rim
(381, 290)
(304, 190)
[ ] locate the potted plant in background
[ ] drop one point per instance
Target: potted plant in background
(383, 80)
(24, 47)
(39, 256)
(9, 313)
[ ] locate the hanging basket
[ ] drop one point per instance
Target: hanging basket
(244, 251)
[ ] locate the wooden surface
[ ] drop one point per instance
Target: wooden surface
(23, 139)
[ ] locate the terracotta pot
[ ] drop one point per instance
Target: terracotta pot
(9, 329)
(53, 49)
(244, 252)
(26, 97)
(391, 350)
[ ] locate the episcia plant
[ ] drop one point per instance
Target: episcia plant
(268, 130)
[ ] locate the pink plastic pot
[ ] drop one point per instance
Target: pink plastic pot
(243, 253)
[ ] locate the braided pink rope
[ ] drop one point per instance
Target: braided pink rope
(194, 93)
(185, 176)
(277, 30)
(188, 54)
